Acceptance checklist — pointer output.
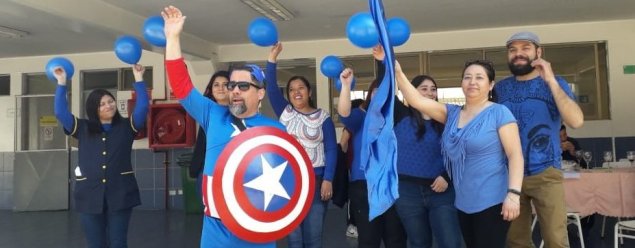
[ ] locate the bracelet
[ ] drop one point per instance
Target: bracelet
(514, 191)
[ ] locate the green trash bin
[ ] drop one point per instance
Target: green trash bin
(191, 199)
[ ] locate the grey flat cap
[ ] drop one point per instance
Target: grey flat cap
(525, 35)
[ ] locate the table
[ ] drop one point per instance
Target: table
(609, 192)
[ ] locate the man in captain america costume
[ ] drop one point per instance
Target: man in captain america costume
(256, 177)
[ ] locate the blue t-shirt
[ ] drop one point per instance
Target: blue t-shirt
(538, 117)
(475, 157)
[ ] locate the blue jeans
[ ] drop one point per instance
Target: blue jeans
(309, 233)
(106, 229)
(426, 214)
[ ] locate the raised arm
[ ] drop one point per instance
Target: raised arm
(569, 110)
(432, 108)
(275, 97)
(141, 104)
(61, 103)
(344, 103)
(178, 75)
(198, 106)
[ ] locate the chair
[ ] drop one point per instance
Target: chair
(620, 227)
(572, 218)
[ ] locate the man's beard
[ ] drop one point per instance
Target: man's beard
(520, 70)
(237, 108)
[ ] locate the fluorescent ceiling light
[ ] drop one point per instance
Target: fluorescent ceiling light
(270, 9)
(7, 32)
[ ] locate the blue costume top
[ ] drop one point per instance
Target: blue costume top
(323, 163)
(354, 123)
(212, 116)
(104, 176)
(539, 120)
(475, 157)
(417, 157)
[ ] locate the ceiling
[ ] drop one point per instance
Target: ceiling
(78, 26)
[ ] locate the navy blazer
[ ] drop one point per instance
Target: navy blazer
(106, 168)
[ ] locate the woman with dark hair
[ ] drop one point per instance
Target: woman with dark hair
(314, 129)
(426, 199)
(482, 153)
(105, 186)
(387, 227)
(216, 90)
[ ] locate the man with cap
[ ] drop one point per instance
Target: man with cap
(540, 101)
(221, 124)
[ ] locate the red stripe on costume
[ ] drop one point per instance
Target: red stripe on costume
(178, 77)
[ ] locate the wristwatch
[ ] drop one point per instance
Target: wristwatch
(514, 191)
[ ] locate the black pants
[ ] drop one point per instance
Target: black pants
(386, 227)
(485, 229)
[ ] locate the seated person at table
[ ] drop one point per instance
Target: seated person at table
(569, 147)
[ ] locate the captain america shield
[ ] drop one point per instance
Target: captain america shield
(263, 184)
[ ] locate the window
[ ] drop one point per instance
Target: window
(583, 65)
(5, 85)
(37, 126)
(128, 78)
(585, 69)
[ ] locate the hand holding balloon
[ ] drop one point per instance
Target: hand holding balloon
(347, 79)
(60, 75)
(338, 84)
(62, 63)
(137, 71)
(275, 51)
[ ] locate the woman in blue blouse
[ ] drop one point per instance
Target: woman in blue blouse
(105, 186)
(482, 153)
(314, 129)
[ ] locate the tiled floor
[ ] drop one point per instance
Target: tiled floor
(170, 229)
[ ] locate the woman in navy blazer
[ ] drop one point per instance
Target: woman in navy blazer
(105, 186)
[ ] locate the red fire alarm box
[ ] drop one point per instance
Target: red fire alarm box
(169, 126)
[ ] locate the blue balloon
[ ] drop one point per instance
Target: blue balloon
(362, 31)
(398, 31)
(338, 84)
(262, 32)
(53, 63)
(153, 31)
(331, 66)
(128, 49)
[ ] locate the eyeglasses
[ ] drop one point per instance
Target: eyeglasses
(242, 86)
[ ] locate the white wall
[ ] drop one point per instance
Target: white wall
(200, 72)
(620, 37)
